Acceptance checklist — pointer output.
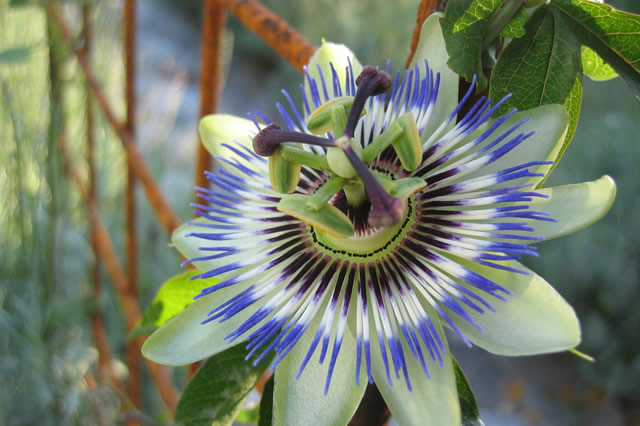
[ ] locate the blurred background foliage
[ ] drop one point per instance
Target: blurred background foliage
(45, 293)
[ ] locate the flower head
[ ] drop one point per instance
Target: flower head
(346, 235)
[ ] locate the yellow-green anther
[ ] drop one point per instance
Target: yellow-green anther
(325, 192)
(381, 142)
(327, 218)
(320, 121)
(404, 188)
(408, 146)
(338, 119)
(284, 175)
(297, 155)
(338, 162)
(400, 188)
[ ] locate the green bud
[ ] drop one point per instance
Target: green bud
(327, 218)
(284, 175)
(321, 120)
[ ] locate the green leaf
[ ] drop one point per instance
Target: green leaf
(468, 405)
(218, 390)
(539, 68)
(515, 28)
(594, 67)
(573, 105)
(266, 404)
(477, 10)
(19, 3)
(15, 55)
(172, 298)
(464, 26)
(612, 34)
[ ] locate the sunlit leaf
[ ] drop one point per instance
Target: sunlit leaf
(594, 67)
(515, 28)
(172, 298)
(612, 34)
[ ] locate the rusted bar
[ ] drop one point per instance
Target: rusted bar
(210, 76)
(106, 251)
(134, 345)
(97, 326)
(426, 8)
(277, 33)
(163, 210)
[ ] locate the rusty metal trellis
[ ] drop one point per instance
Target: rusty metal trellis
(286, 41)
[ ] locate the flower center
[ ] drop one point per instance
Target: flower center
(367, 242)
(347, 163)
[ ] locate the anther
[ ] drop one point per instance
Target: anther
(370, 82)
(267, 141)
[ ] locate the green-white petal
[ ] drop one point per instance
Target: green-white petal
(184, 340)
(330, 53)
(190, 246)
(550, 124)
(535, 320)
(218, 129)
(572, 206)
(433, 401)
(432, 48)
(302, 401)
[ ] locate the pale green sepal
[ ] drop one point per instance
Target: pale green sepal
(432, 401)
(327, 218)
(302, 401)
(431, 47)
(328, 53)
(550, 124)
(184, 340)
(535, 320)
(284, 175)
(218, 129)
(572, 206)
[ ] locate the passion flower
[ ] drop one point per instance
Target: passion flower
(347, 237)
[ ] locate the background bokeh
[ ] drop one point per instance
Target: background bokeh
(45, 343)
